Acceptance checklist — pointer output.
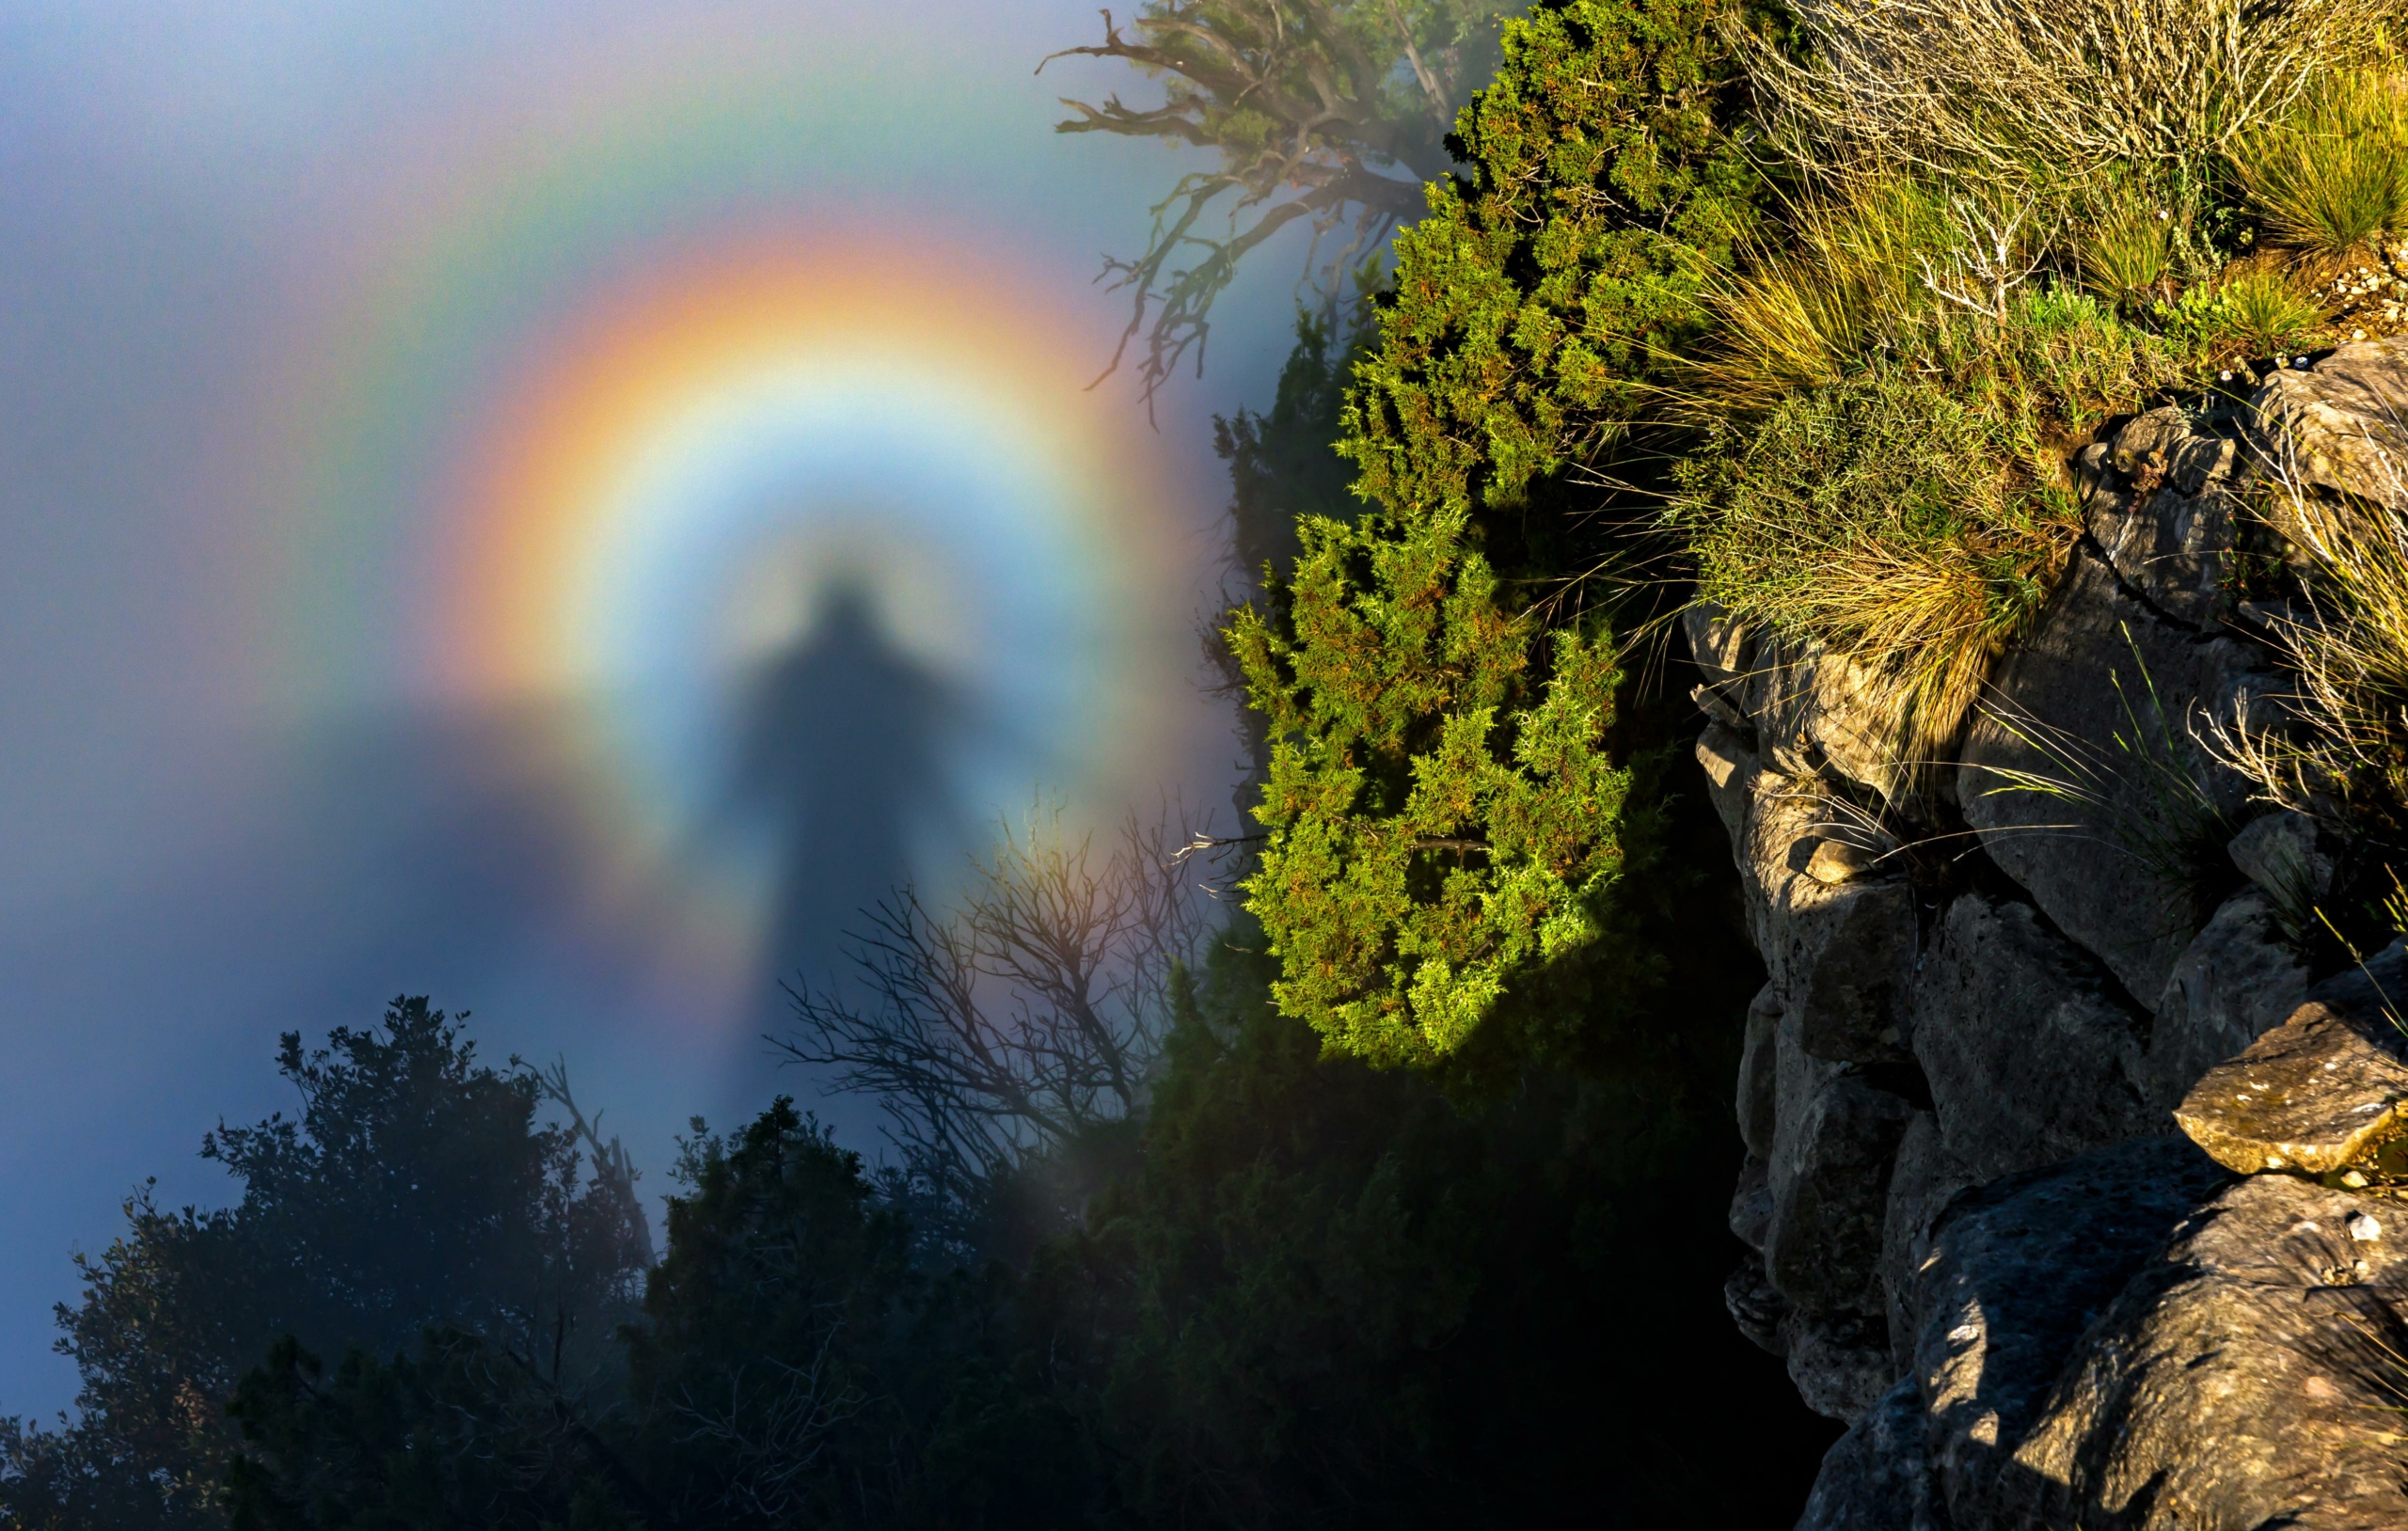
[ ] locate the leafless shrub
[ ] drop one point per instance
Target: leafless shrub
(770, 1426)
(1331, 112)
(2018, 92)
(1027, 1017)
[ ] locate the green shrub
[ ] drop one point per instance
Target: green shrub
(2256, 313)
(1538, 305)
(1445, 812)
(2335, 173)
(1888, 518)
(1442, 811)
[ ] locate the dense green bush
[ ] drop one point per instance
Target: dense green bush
(1445, 806)
(1538, 308)
(1440, 815)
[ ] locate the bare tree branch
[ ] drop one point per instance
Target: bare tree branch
(1307, 104)
(1028, 1017)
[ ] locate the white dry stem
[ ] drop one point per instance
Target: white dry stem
(1990, 258)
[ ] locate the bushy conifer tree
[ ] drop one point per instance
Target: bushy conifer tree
(1445, 812)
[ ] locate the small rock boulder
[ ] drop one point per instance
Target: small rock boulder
(2167, 525)
(1926, 1178)
(1759, 1100)
(1838, 1362)
(2312, 1095)
(2342, 425)
(1813, 711)
(2105, 701)
(2027, 1049)
(2016, 1273)
(1878, 1476)
(1828, 1179)
(2285, 854)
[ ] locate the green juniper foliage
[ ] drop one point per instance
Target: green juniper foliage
(1443, 804)
(1537, 308)
(1439, 817)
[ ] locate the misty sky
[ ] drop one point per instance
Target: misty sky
(273, 277)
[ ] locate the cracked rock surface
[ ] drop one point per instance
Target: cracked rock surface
(2005, 999)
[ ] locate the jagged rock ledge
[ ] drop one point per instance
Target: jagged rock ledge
(2050, 1189)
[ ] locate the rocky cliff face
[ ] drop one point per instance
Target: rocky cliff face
(2050, 1128)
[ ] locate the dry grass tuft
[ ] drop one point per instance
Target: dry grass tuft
(1804, 312)
(2026, 92)
(2332, 174)
(2350, 649)
(1885, 518)
(2125, 247)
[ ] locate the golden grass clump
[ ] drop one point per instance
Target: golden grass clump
(1887, 519)
(2124, 244)
(2333, 173)
(1804, 312)
(2349, 648)
(2256, 310)
(2034, 92)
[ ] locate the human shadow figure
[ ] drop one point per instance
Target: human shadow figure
(841, 753)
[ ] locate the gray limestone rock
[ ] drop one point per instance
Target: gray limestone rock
(2168, 525)
(1829, 1179)
(1751, 1205)
(2026, 1047)
(1730, 765)
(1845, 956)
(1838, 954)
(1813, 711)
(2239, 1381)
(2238, 979)
(2202, 461)
(2374, 991)
(1838, 1362)
(1878, 1476)
(2015, 1274)
(2170, 546)
(2285, 854)
(2311, 1094)
(2342, 425)
(1925, 1179)
(2147, 442)
(1719, 646)
(2107, 701)
(1759, 1072)
(1755, 1307)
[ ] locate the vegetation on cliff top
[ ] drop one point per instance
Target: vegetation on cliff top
(1842, 293)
